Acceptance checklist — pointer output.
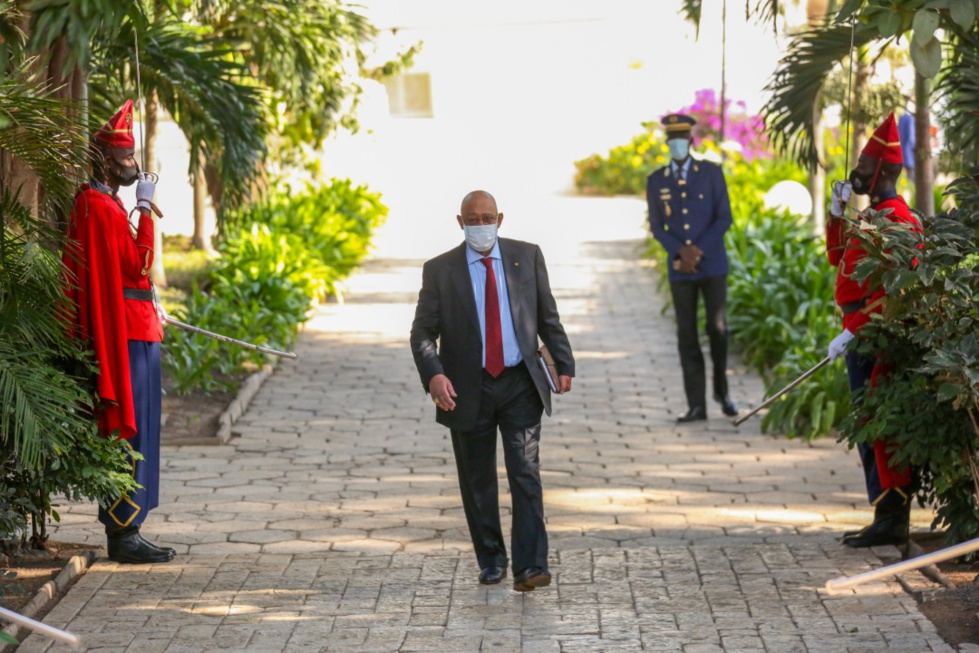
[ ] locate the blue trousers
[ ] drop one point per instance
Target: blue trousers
(144, 374)
(859, 369)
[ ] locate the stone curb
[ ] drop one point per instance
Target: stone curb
(47, 595)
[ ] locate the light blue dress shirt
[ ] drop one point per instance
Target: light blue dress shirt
(477, 274)
(686, 167)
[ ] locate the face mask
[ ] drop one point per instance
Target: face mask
(125, 175)
(861, 183)
(679, 148)
(481, 237)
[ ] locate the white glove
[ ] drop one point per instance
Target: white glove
(838, 346)
(145, 188)
(839, 198)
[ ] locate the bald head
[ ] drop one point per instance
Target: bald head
(477, 196)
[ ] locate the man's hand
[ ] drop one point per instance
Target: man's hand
(838, 346)
(442, 392)
(563, 383)
(145, 188)
(690, 256)
(839, 198)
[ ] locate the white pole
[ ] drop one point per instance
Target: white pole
(37, 626)
(941, 555)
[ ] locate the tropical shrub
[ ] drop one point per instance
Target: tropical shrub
(624, 169)
(927, 407)
(285, 254)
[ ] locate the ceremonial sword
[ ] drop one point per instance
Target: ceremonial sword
(768, 402)
(223, 338)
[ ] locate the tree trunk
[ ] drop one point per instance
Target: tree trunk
(924, 195)
(151, 124)
(200, 194)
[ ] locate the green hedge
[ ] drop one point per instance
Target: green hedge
(281, 257)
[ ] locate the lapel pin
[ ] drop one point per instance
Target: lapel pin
(516, 264)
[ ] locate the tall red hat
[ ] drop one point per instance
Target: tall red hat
(885, 144)
(118, 132)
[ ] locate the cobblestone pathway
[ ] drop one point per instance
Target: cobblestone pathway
(332, 523)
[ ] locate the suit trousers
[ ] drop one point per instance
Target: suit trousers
(859, 368)
(509, 403)
(686, 297)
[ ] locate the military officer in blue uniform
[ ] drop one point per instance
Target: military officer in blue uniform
(689, 212)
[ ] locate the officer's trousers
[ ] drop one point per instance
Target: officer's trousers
(686, 297)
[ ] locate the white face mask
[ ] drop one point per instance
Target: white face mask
(481, 237)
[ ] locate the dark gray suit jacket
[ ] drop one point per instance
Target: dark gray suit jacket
(446, 315)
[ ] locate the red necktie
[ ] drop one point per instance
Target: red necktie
(494, 332)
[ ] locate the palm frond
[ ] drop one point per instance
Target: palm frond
(692, 11)
(199, 83)
(43, 133)
(79, 24)
(796, 83)
(957, 91)
(298, 50)
(764, 11)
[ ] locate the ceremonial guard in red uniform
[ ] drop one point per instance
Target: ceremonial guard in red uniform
(876, 174)
(110, 291)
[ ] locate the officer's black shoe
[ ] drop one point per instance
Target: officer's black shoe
(890, 526)
(125, 545)
(695, 414)
(727, 406)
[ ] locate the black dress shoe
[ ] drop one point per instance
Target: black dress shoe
(890, 526)
(492, 575)
(531, 578)
(125, 545)
(727, 406)
(695, 414)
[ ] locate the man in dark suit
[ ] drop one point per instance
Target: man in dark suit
(480, 311)
(689, 212)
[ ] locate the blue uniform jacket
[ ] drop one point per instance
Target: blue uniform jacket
(696, 211)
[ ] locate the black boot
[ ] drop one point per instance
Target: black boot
(165, 549)
(890, 526)
(126, 545)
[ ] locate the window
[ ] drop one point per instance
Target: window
(410, 95)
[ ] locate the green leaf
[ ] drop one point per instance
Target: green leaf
(924, 25)
(847, 10)
(927, 58)
(948, 391)
(963, 12)
(888, 23)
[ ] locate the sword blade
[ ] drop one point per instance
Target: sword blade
(26, 622)
(224, 338)
(768, 402)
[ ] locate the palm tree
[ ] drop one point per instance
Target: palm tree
(813, 54)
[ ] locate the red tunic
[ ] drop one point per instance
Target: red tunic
(846, 255)
(103, 257)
